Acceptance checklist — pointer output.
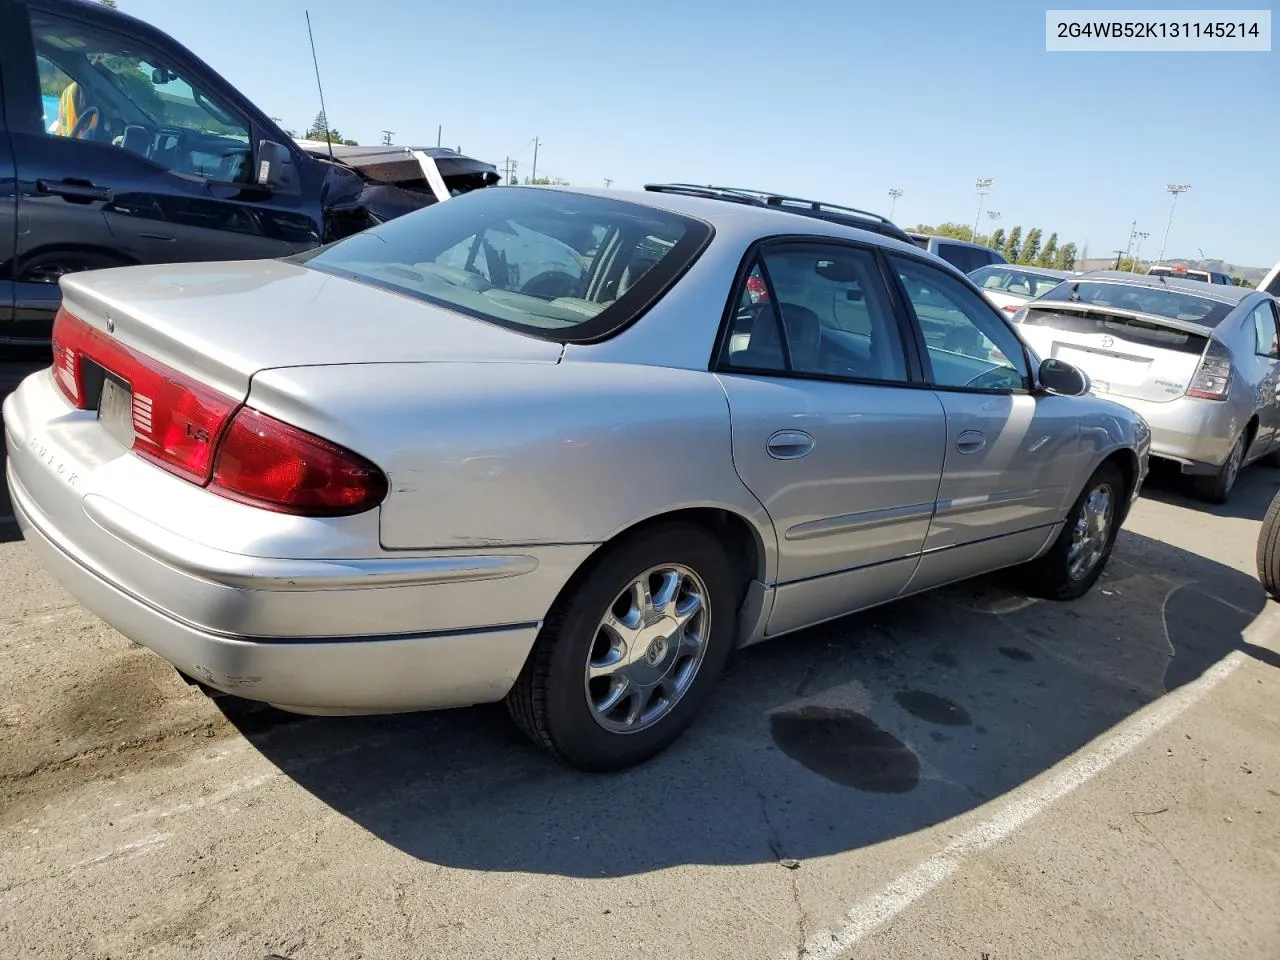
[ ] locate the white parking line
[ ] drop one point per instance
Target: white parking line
(875, 911)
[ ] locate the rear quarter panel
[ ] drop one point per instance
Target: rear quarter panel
(1107, 427)
(480, 454)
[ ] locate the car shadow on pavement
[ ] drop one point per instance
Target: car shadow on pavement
(1249, 499)
(837, 738)
(12, 373)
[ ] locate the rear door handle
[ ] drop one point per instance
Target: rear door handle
(971, 441)
(74, 190)
(789, 445)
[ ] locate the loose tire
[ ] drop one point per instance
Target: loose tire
(628, 656)
(1268, 555)
(1078, 556)
(1216, 487)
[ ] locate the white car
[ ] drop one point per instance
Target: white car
(1009, 286)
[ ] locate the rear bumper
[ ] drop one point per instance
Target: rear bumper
(307, 613)
(1198, 434)
(366, 674)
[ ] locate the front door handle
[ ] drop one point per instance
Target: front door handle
(74, 190)
(971, 441)
(789, 445)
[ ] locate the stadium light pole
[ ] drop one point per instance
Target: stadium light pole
(894, 194)
(983, 185)
(1175, 189)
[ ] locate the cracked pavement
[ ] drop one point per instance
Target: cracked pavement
(140, 819)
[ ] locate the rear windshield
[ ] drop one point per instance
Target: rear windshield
(561, 266)
(1171, 303)
(1022, 283)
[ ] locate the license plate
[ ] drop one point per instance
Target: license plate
(115, 409)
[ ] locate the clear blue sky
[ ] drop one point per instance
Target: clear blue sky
(830, 98)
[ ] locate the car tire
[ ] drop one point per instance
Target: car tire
(1268, 555)
(1077, 558)
(1216, 487)
(559, 707)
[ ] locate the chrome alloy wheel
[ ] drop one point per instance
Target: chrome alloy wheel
(647, 648)
(1092, 529)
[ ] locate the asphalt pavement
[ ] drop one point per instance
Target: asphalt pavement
(965, 774)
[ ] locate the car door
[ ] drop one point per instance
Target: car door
(130, 155)
(831, 429)
(1011, 454)
(1263, 370)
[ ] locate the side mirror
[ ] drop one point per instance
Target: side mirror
(1062, 378)
(275, 167)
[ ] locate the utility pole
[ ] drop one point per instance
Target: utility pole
(1175, 189)
(534, 177)
(1119, 254)
(1133, 229)
(607, 183)
(386, 137)
(439, 133)
(894, 194)
(983, 185)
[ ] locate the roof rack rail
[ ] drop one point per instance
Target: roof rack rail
(758, 198)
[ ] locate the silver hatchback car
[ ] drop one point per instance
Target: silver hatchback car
(1200, 362)
(563, 448)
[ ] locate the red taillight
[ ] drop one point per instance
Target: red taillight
(1009, 308)
(268, 463)
(180, 424)
(176, 420)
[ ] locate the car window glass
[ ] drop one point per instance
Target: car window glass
(541, 261)
(1264, 331)
(816, 309)
(105, 89)
(968, 345)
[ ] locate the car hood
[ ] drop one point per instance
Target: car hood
(224, 322)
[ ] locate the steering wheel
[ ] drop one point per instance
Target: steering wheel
(995, 378)
(85, 123)
(550, 284)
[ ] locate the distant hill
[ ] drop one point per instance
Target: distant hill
(1251, 275)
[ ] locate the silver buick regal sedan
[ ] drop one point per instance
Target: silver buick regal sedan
(564, 448)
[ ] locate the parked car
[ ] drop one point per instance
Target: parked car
(818, 209)
(1197, 361)
(367, 478)
(1186, 273)
(962, 254)
(1010, 287)
(127, 149)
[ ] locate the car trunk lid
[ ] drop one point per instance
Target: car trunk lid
(1126, 353)
(220, 323)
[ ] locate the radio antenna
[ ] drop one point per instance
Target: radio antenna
(325, 113)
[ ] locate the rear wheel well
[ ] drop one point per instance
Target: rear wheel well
(742, 545)
(1127, 462)
(1250, 431)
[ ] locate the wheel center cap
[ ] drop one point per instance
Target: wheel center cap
(657, 650)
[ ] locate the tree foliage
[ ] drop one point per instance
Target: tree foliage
(1013, 246)
(1030, 246)
(1067, 257)
(1049, 255)
(320, 130)
(997, 239)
